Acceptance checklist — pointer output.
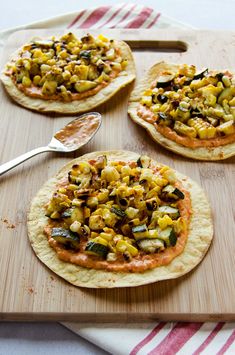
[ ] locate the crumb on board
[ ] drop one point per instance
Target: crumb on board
(9, 225)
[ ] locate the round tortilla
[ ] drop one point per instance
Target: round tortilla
(77, 106)
(202, 153)
(199, 238)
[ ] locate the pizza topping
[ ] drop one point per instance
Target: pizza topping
(67, 68)
(65, 237)
(192, 107)
(117, 211)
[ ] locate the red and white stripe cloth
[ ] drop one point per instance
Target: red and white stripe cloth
(148, 338)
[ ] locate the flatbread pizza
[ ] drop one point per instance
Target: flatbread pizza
(188, 111)
(68, 74)
(117, 219)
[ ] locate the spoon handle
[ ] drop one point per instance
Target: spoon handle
(14, 162)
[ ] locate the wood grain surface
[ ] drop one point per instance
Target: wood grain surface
(30, 291)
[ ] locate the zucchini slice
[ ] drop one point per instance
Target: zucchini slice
(140, 231)
(93, 248)
(67, 213)
(200, 74)
(168, 235)
(151, 245)
(170, 193)
(165, 80)
(143, 161)
(118, 212)
(66, 237)
(171, 211)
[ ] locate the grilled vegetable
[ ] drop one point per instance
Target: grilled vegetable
(165, 80)
(123, 202)
(168, 236)
(227, 128)
(162, 98)
(97, 249)
(152, 204)
(84, 85)
(170, 192)
(144, 161)
(140, 231)
(200, 74)
(185, 130)
(226, 94)
(151, 245)
(164, 119)
(85, 54)
(66, 237)
(118, 212)
(101, 162)
(67, 213)
(171, 211)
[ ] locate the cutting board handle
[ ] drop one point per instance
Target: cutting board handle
(161, 46)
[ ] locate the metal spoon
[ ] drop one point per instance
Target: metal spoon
(70, 138)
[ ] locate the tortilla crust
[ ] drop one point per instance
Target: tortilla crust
(77, 106)
(202, 153)
(199, 239)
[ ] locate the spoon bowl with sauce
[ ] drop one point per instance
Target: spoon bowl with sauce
(71, 137)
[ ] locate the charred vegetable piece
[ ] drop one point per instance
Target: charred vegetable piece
(140, 231)
(168, 236)
(200, 74)
(162, 98)
(66, 237)
(118, 212)
(171, 211)
(123, 202)
(143, 161)
(67, 213)
(165, 80)
(85, 54)
(74, 179)
(163, 119)
(140, 228)
(93, 248)
(151, 245)
(43, 43)
(101, 162)
(170, 192)
(151, 204)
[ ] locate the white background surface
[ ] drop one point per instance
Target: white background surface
(53, 338)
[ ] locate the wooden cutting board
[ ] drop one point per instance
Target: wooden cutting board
(30, 291)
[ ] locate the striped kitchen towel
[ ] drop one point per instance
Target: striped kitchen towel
(145, 338)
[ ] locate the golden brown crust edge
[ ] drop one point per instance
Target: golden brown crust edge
(202, 153)
(200, 236)
(77, 106)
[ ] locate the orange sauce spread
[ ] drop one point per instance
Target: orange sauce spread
(140, 263)
(79, 131)
(35, 91)
(146, 114)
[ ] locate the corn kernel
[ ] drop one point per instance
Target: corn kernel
(37, 79)
(106, 236)
(226, 81)
(26, 81)
(75, 226)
